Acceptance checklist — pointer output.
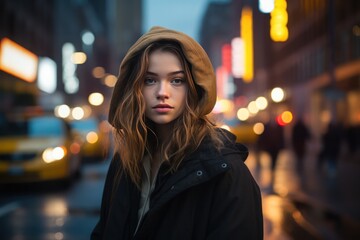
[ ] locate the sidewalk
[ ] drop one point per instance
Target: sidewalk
(329, 203)
(336, 195)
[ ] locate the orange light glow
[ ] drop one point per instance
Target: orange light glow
(284, 118)
(92, 137)
(75, 148)
(17, 60)
(246, 23)
(280, 121)
(287, 117)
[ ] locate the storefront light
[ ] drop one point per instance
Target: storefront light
(47, 75)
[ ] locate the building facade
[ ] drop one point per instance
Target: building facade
(320, 62)
(317, 66)
(47, 28)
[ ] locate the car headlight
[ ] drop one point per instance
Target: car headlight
(53, 154)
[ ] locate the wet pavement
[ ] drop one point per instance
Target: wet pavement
(49, 212)
(319, 203)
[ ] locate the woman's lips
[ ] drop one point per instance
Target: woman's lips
(162, 108)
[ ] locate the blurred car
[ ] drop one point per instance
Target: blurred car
(94, 139)
(38, 149)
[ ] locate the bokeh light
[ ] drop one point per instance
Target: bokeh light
(98, 72)
(258, 128)
(261, 103)
(92, 137)
(62, 111)
(110, 80)
(253, 109)
(277, 94)
(96, 99)
(78, 58)
(243, 114)
(77, 113)
(88, 38)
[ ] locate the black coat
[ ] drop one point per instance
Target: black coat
(211, 196)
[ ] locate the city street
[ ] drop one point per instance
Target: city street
(311, 208)
(283, 76)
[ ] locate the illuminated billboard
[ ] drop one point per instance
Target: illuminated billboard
(237, 57)
(246, 23)
(17, 60)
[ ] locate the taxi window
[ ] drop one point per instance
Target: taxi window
(45, 127)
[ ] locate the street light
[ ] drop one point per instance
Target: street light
(277, 94)
(96, 99)
(243, 114)
(261, 103)
(77, 113)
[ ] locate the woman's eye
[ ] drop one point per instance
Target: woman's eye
(149, 81)
(177, 81)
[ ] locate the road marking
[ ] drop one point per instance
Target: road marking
(8, 208)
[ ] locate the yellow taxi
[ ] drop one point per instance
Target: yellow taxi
(244, 133)
(38, 149)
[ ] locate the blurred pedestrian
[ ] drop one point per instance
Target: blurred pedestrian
(331, 145)
(272, 142)
(174, 174)
(299, 137)
(352, 137)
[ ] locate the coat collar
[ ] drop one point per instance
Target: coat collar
(200, 166)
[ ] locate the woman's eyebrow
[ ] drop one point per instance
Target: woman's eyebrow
(151, 73)
(176, 72)
(169, 74)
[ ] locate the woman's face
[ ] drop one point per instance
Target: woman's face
(164, 88)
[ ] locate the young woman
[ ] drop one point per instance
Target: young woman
(174, 175)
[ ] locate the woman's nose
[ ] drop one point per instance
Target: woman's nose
(162, 91)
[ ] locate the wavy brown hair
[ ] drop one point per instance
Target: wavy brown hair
(134, 134)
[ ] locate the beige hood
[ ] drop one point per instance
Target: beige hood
(202, 69)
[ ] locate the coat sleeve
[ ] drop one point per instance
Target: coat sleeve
(236, 211)
(98, 231)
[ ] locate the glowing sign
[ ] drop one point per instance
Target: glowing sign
(71, 81)
(47, 75)
(237, 54)
(17, 60)
(246, 24)
(278, 22)
(221, 80)
(226, 57)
